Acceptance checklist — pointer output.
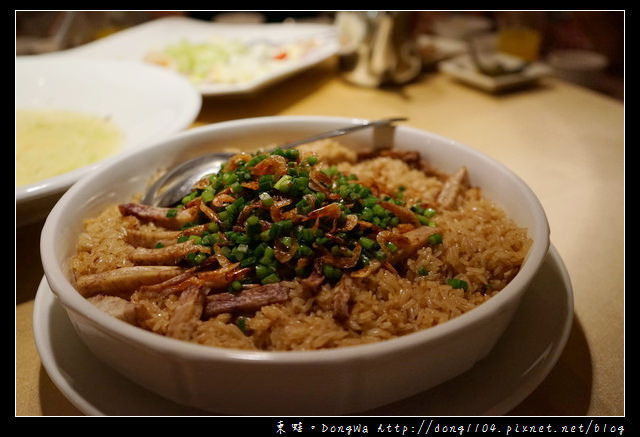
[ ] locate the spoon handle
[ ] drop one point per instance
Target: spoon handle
(341, 131)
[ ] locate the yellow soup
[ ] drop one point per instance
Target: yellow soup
(52, 142)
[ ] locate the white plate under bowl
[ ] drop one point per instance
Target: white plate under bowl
(146, 102)
(135, 43)
(519, 362)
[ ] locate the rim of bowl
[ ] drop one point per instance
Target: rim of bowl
(59, 183)
(74, 301)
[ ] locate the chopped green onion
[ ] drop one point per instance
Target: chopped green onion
(265, 182)
(266, 199)
(255, 160)
(304, 251)
(207, 195)
(210, 240)
(196, 258)
(267, 258)
(331, 273)
(303, 207)
(270, 279)
(241, 323)
(236, 187)
(229, 178)
(367, 243)
(429, 212)
(291, 154)
(423, 220)
(435, 239)
(381, 255)
(266, 235)
(262, 271)
(189, 197)
(195, 238)
(379, 211)
(248, 261)
(321, 241)
(284, 184)
(285, 225)
(457, 283)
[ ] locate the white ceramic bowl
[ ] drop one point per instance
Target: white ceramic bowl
(147, 103)
(328, 382)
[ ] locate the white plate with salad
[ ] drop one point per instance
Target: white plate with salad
(219, 58)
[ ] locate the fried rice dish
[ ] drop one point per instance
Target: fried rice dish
(310, 248)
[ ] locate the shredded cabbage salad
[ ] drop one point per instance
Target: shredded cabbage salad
(228, 61)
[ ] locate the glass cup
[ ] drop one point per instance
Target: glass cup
(520, 34)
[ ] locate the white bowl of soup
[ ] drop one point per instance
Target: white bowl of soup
(383, 322)
(74, 114)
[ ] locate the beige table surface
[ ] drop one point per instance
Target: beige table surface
(566, 142)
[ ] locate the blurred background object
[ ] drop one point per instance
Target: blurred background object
(379, 48)
(42, 32)
(584, 47)
(520, 34)
(580, 66)
(39, 32)
(263, 16)
(461, 25)
(587, 48)
(241, 17)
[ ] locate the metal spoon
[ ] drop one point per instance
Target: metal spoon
(178, 181)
